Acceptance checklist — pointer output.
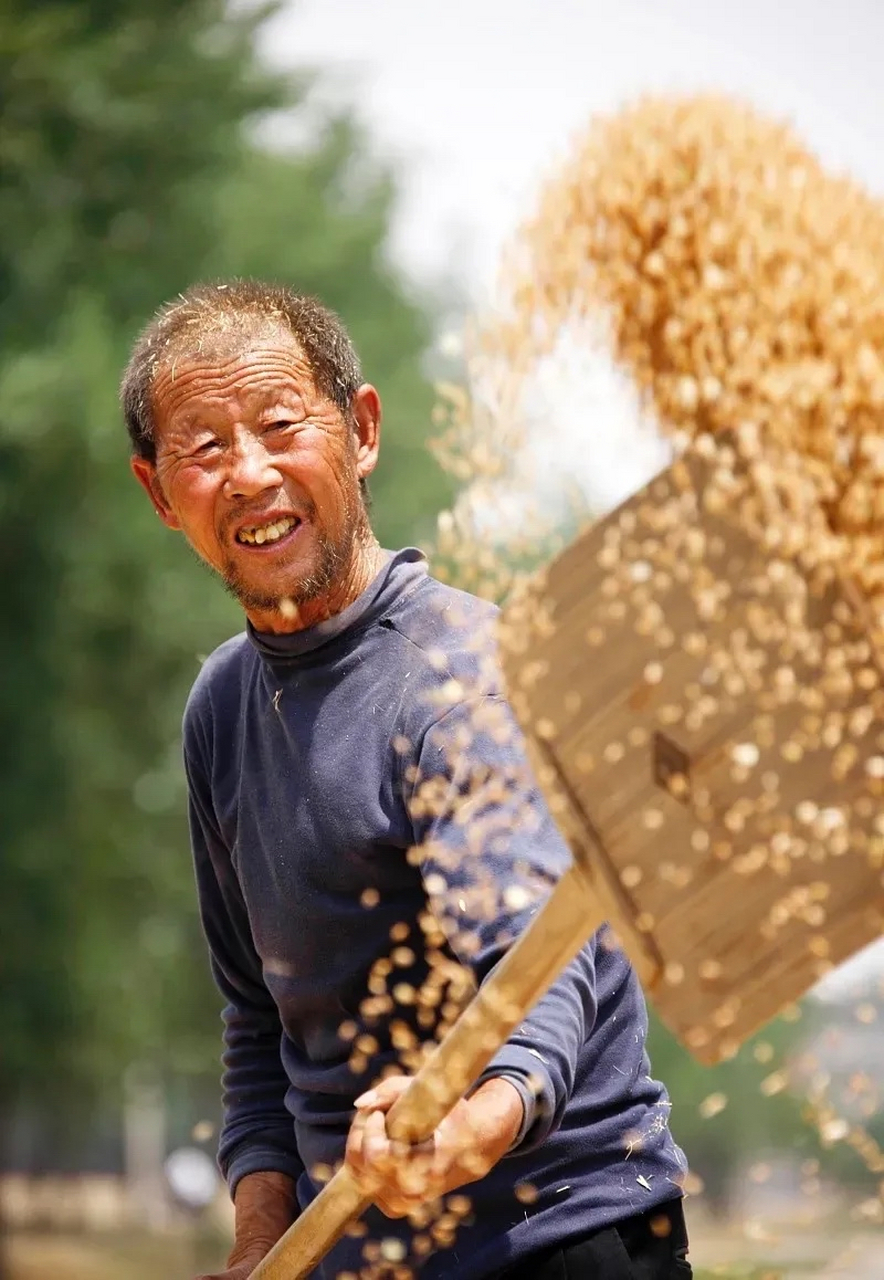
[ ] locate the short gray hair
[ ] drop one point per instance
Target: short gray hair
(207, 311)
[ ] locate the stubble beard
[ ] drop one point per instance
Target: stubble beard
(333, 559)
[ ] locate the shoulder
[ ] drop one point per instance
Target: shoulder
(453, 633)
(448, 652)
(215, 688)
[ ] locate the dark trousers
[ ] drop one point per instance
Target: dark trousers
(651, 1246)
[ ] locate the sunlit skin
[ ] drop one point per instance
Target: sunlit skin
(468, 1143)
(245, 439)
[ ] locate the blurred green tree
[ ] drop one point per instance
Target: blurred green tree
(132, 163)
(742, 1111)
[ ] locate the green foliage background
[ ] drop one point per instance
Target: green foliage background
(129, 167)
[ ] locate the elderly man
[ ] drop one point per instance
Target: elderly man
(363, 819)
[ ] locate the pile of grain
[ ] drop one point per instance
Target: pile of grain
(742, 284)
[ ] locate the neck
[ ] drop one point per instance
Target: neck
(365, 564)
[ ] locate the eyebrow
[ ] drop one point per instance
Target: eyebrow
(279, 393)
(262, 398)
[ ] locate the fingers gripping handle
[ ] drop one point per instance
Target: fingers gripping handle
(558, 931)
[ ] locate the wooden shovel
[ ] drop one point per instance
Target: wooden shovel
(704, 713)
(558, 931)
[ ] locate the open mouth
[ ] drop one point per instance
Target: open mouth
(260, 535)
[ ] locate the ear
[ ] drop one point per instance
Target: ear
(145, 473)
(366, 409)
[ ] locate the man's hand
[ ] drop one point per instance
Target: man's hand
(401, 1179)
(241, 1271)
(266, 1206)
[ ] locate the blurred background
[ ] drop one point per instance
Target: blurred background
(379, 155)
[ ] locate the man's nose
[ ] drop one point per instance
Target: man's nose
(251, 468)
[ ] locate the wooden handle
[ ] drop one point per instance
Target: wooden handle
(319, 1227)
(570, 915)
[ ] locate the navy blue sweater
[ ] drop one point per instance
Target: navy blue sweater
(316, 762)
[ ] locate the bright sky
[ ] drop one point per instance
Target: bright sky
(476, 99)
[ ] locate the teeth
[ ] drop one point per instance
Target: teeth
(266, 532)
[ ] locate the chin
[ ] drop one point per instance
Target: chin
(266, 597)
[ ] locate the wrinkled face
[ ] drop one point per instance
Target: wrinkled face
(260, 470)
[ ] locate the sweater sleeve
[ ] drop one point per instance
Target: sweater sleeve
(257, 1134)
(490, 855)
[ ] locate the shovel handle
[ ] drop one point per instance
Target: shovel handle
(567, 920)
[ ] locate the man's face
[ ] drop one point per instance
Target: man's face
(260, 470)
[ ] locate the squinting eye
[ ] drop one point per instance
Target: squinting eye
(207, 446)
(282, 424)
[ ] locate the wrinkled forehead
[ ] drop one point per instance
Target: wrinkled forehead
(216, 338)
(227, 356)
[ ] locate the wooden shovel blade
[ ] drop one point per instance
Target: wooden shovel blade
(704, 712)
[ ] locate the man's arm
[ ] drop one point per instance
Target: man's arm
(257, 1154)
(490, 855)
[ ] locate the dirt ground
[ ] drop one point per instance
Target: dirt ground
(719, 1256)
(63, 1257)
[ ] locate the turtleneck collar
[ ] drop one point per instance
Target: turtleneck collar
(400, 569)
